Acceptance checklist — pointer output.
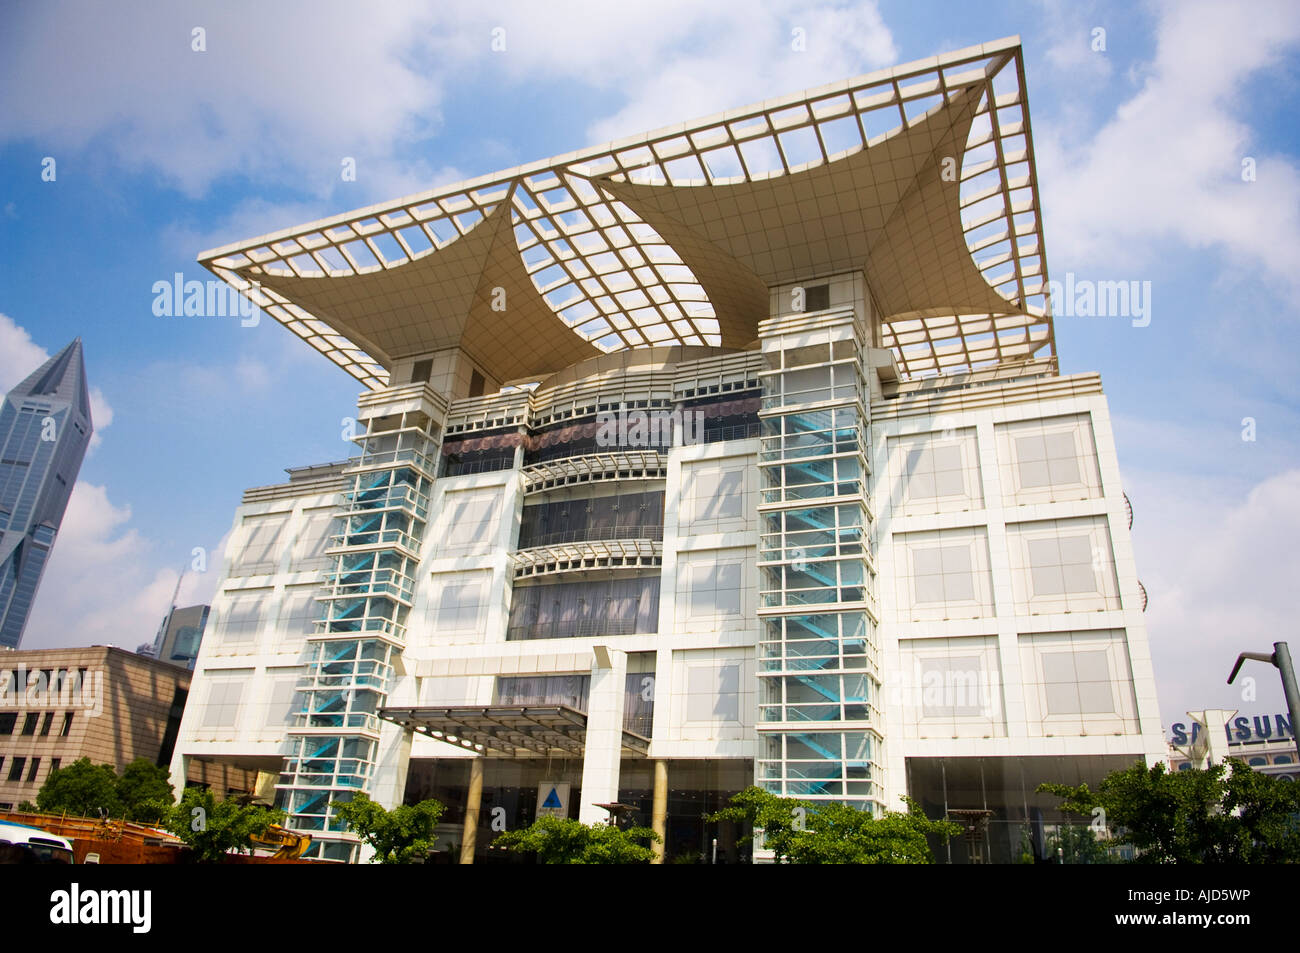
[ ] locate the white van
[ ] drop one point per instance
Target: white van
(21, 844)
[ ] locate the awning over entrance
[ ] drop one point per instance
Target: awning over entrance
(509, 731)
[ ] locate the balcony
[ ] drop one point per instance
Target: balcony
(593, 467)
(388, 539)
(368, 582)
(424, 462)
(401, 497)
(574, 629)
(723, 432)
(589, 554)
(593, 534)
(451, 468)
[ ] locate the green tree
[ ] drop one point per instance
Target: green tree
(562, 841)
(1077, 844)
(82, 789)
(777, 817)
(838, 834)
(1194, 817)
(145, 791)
(801, 832)
(404, 835)
(212, 828)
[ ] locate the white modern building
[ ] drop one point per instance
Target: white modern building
(737, 452)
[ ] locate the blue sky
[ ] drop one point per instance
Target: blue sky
(162, 152)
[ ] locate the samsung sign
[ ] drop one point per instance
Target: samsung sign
(1259, 728)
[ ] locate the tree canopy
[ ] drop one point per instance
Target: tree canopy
(212, 828)
(404, 835)
(143, 792)
(1196, 816)
(82, 789)
(558, 840)
(804, 832)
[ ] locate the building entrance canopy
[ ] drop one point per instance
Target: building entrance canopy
(509, 731)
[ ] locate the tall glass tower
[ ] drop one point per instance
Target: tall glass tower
(45, 428)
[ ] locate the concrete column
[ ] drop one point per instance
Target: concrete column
(659, 810)
(470, 836)
(392, 761)
(1211, 745)
(180, 769)
(604, 748)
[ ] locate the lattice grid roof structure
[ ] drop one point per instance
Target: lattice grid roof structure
(921, 175)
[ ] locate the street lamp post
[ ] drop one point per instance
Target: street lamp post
(1281, 660)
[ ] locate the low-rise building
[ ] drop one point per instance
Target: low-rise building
(97, 702)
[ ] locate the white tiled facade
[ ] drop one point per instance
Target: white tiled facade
(1002, 610)
(1029, 589)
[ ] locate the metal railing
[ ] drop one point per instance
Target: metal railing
(462, 468)
(731, 432)
(591, 534)
(391, 458)
(576, 629)
(395, 537)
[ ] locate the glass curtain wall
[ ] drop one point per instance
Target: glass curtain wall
(620, 516)
(559, 610)
(818, 681)
(574, 690)
(350, 659)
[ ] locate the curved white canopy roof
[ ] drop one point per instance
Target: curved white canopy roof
(921, 175)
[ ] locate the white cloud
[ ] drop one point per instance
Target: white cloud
(1168, 164)
(1074, 44)
(99, 589)
(737, 58)
(283, 93)
(20, 355)
(1219, 584)
(96, 589)
(199, 585)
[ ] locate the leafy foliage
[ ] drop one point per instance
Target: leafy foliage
(143, 792)
(561, 841)
(82, 789)
(1077, 844)
(801, 832)
(211, 828)
(404, 835)
(1195, 817)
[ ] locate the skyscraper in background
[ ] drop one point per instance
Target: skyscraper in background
(45, 427)
(179, 636)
